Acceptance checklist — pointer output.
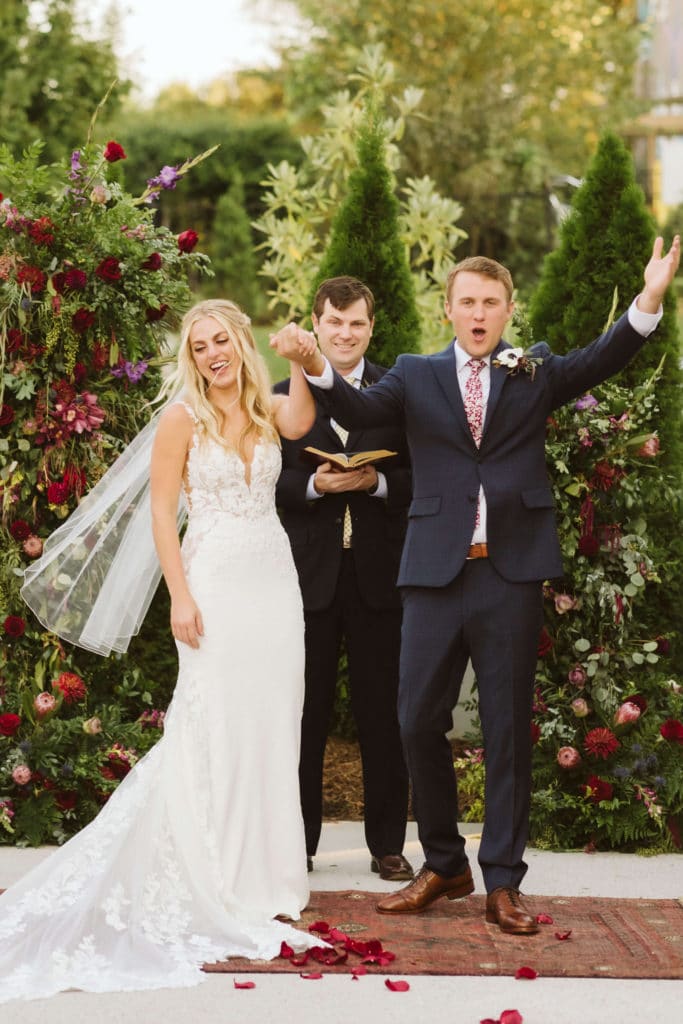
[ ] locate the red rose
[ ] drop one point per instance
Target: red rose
(109, 269)
(153, 262)
(40, 231)
(113, 152)
(9, 724)
(57, 493)
(74, 479)
(597, 789)
(545, 643)
(672, 729)
(187, 240)
(82, 320)
(588, 546)
(153, 315)
(66, 799)
(6, 415)
(33, 277)
(20, 529)
(14, 626)
(15, 339)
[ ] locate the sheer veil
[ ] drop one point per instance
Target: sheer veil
(99, 570)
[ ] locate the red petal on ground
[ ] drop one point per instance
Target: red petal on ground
(300, 961)
(397, 986)
(544, 919)
(244, 984)
(563, 935)
(286, 951)
(319, 926)
(336, 936)
(311, 976)
(526, 973)
(359, 971)
(329, 957)
(511, 1017)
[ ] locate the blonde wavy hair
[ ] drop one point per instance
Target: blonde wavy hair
(253, 380)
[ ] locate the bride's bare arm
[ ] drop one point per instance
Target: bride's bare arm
(295, 413)
(169, 455)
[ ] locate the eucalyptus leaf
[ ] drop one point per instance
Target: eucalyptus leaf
(582, 645)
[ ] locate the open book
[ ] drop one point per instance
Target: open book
(346, 460)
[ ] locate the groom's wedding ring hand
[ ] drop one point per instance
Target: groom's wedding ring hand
(294, 343)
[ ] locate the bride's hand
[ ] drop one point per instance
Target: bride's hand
(186, 621)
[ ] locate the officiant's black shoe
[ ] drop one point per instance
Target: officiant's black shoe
(504, 907)
(392, 868)
(309, 863)
(426, 887)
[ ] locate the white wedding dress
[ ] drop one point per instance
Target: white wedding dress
(202, 844)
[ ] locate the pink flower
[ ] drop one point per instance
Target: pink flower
(44, 704)
(601, 743)
(33, 546)
(22, 774)
(92, 726)
(580, 707)
(627, 713)
(564, 603)
(568, 757)
(650, 448)
(577, 676)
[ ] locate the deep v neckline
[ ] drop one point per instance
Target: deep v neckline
(247, 467)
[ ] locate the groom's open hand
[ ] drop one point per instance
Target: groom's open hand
(659, 273)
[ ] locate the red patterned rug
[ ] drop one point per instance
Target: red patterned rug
(582, 937)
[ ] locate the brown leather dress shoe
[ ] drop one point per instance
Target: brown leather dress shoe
(392, 868)
(504, 907)
(423, 890)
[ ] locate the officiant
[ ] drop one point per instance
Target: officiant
(346, 528)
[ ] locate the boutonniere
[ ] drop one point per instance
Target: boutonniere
(516, 359)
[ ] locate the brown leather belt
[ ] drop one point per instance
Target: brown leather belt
(478, 551)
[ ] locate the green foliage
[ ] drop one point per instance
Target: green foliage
(232, 251)
(301, 201)
(605, 242)
(515, 93)
(364, 242)
(51, 76)
(88, 286)
(597, 653)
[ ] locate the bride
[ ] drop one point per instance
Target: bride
(201, 848)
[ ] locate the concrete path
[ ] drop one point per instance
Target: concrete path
(343, 863)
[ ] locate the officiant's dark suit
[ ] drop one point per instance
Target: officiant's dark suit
(468, 594)
(349, 593)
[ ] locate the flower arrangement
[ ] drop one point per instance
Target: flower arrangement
(607, 718)
(89, 285)
(516, 360)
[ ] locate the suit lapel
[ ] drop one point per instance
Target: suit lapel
(498, 375)
(445, 370)
(371, 374)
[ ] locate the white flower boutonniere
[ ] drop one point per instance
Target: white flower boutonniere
(516, 359)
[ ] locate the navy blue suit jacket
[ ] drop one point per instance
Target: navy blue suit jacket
(421, 393)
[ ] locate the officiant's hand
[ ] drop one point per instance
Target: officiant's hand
(335, 481)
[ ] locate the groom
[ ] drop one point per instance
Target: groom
(481, 540)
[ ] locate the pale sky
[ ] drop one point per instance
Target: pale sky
(193, 41)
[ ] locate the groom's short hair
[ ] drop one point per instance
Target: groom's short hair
(481, 265)
(343, 292)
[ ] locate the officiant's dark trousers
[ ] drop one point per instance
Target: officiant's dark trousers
(372, 638)
(497, 624)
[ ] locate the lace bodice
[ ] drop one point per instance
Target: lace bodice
(217, 480)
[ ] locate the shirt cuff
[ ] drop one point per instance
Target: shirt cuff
(643, 323)
(325, 380)
(381, 490)
(311, 493)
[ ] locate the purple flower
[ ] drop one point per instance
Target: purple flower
(587, 402)
(166, 178)
(76, 165)
(133, 371)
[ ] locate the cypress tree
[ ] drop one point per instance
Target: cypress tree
(365, 243)
(604, 244)
(232, 251)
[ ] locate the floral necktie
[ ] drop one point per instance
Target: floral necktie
(474, 410)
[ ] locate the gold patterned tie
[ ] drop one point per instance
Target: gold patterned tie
(343, 436)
